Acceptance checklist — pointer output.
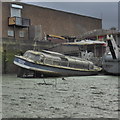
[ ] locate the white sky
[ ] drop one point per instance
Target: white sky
(71, 0)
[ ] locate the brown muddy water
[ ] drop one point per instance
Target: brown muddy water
(74, 97)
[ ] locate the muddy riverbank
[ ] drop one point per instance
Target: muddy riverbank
(74, 97)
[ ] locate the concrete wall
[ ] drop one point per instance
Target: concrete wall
(0, 38)
(12, 48)
(0, 19)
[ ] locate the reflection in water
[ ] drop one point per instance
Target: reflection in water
(75, 97)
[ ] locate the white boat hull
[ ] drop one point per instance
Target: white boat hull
(111, 66)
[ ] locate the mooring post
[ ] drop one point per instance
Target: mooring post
(4, 62)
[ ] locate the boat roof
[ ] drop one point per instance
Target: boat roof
(53, 53)
(44, 53)
(98, 32)
(34, 52)
(56, 55)
(86, 42)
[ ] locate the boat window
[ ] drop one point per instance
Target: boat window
(64, 63)
(48, 61)
(36, 57)
(26, 54)
(80, 65)
(56, 62)
(32, 56)
(72, 65)
(91, 66)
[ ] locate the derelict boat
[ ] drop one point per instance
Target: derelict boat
(53, 64)
(111, 60)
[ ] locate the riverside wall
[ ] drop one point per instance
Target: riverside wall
(10, 48)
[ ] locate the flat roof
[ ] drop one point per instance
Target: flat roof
(58, 10)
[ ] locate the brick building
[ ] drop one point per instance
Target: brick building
(20, 21)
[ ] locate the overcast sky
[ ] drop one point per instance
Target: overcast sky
(108, 11)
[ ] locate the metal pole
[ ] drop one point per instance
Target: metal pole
(14, 32)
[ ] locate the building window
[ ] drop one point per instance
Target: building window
(15, 12)
(21, 34)
(10, 33)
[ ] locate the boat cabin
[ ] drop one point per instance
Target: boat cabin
(54, 59)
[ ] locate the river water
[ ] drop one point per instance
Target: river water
(73, 97)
